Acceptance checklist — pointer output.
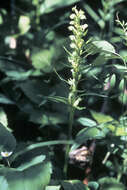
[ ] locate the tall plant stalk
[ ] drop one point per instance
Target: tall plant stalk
(75, 59)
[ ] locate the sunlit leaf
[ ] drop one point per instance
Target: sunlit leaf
(100, 117)
(24, 24)
(86, 122)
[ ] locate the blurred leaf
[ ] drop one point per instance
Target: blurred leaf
(86, 122)
(42, 59)
(5, 100)
(49, 6)
(122, 84)
(35, 90)
(58, 187)
(7, 140)
(123, 97)
(16, 75)
(73, 185)
(34, 161)
(93, 14)
(110, 183)
(34, 177)
(3, 183)
(121, 68)
(46, 118)
(3, 119)
(24, 24)
(112, 80)
(100, 117)
(109, 123)
(58, 99)
(93, 185)
(89, 134)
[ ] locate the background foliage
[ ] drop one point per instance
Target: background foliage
(33, 97)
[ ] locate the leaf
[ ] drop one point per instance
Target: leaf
(49, 6)
(89, 134)
(86, 122)
(24, 24)
(58, 99)
(122, 84)
(93, 14)
(3, 183)
(3, 118)
(41, 59)
(104, 46)
(5, 100)
(34, 161)
(73, 185)
(34, 177)
(108, 122)
(101, 118)
(93, 185)
(46, 118)
(35, 90)
(19, 75)
(110, 183)
(106, 50)
(58, 187)
(7, 140)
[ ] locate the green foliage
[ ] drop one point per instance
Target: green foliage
(108, 183)
(56, 97)
(34, 177)
(7, 140)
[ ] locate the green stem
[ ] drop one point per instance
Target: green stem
(71, 118)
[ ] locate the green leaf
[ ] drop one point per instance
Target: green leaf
(106, 50)
(93, 185)
(49, 6)
(35, 90)
(73, 185)
(5, 100)
(46, 118)
(34, 161)
(58, 187)
(93, 14)
(34, 177)
(108, 122)
(86, 122)
(123, 97)
(19, 75)
(89, 134)
(3, 183)
(3, 118)
(100, 117)
(7, 140)
(112, 80)
(110, 183)
(122, 84)
(24, 24)
(58, 99)
(41, 59)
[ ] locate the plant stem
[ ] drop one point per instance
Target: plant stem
(71, 119)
